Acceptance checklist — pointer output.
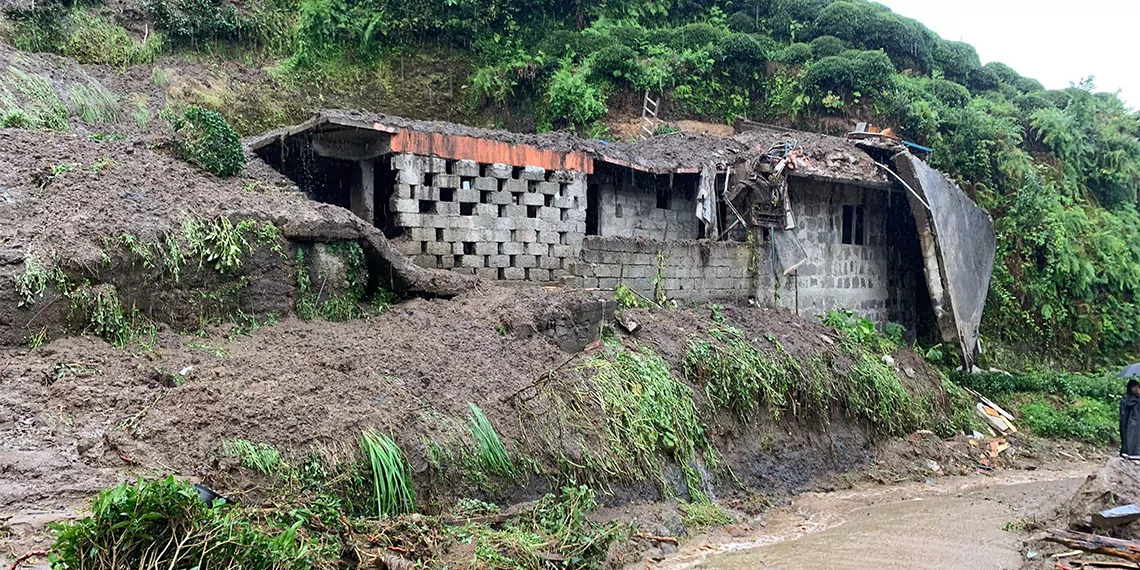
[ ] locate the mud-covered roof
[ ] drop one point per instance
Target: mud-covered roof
(815, 155)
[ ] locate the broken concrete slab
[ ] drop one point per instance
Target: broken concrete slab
(958, 247)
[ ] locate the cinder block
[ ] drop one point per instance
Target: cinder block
(487, 184)
(446, 181)
(502, 198)
(560, 176)
(406, 220)
(501, 236)
(545, 213)
(405, 206)
(406, 161)
(404, 191)
(487, 272)
(460, 222)
(408, 247)
(421, 234)
(532, 199)
(514, 273)
(467, 168)
(469, 196)
(565, 203)
(446, 261)
(503, 223)
(608, 282)
(574, 215)
(548, 188)
(538, 274)
(438, 248)
(548, 237)
(488, 211)
(473, 261)
(447, 208)
(526, 236)
(535, 248)
(486, 248)
(424, 260)
(548, 262)
(516, 212)
(525, 223)
(427, 193)
(498, 261)
(435, 165)
(433, 221)
(564, 251)
(412, 176)
(512, 248)
(533, 173)
(526, 261)
(497, 170)
(515, 185)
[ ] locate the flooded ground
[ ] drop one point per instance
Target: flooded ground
(949, 523)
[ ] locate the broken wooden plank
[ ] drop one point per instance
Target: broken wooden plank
(1126, 549)
(1116, 516)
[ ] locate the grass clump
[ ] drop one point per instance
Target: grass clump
(260, 457)
(93, 103)
(703, 515)
(493, 457)
(94, 39)
(645, 413)
(164, 524)
(37, 106)
(557, 525)
(205, 138)
(391, 476)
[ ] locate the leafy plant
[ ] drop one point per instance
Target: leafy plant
(391, 476)
(164, 524)
(260, 457)
(493, 457)
(206, 139)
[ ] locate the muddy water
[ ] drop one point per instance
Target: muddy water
(952, 523)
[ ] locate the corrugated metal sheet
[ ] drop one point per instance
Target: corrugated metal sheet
(458, 147)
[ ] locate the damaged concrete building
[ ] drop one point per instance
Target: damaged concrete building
(798, 220)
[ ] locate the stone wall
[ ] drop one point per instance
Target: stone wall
(690, 270)
(491, 220)
(877, 280)
(628, 204)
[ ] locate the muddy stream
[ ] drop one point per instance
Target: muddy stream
(945, 523)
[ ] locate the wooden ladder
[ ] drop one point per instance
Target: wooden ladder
(648, 117)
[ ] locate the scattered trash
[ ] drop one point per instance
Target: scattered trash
(208, 495)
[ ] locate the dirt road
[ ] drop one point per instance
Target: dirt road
(952, 523)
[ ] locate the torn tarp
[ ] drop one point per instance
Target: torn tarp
(706, 200)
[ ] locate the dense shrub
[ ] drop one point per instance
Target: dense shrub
(794, 54)
(206, 139)
(573, 99)
(615, 62)
(190, 23)
(743, 57)
(957, 60)
(743, 22)
(826, 46)
(866, 72)
(695, 36)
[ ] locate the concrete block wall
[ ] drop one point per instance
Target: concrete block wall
(869, 279)
(628, 208)
(691, 270)
(493, 220)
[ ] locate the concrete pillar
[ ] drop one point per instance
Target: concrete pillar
(362, 197)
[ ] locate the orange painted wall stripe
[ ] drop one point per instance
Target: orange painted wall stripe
(457, 147)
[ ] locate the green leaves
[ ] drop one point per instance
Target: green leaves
(391, 476)
(206, 139)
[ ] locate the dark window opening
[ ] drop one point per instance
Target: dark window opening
(562, 238)
(423, 247)
(446, 194)
(532, 211)
(427, 206)
(502, 211)
(617, 210)
(466, 208)
(663, 195)
(468, 248)
(548, 201)
(593, 198)
(439, 234)
(429, 178)
(485, 197)
(852, 233)
(457, 260)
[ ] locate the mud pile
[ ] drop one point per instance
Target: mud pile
(1117, 483)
